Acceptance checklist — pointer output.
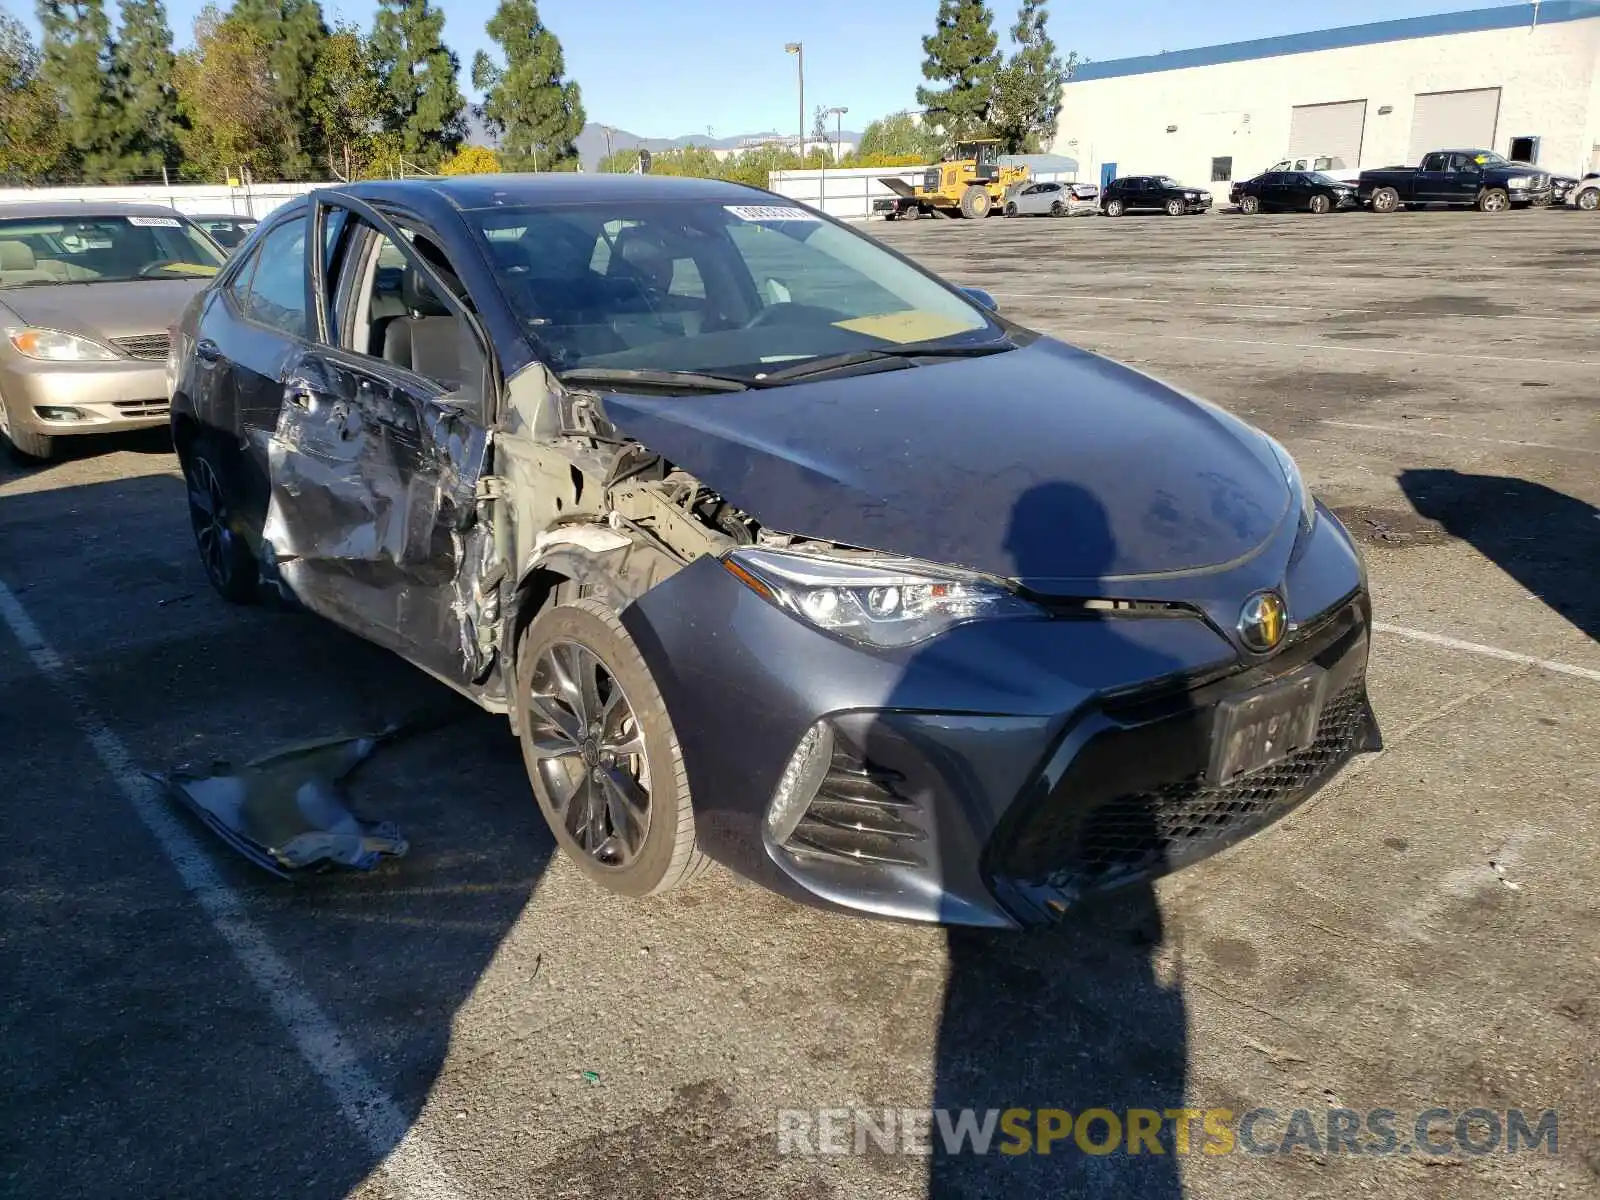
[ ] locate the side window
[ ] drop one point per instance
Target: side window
(396, 315)
(1433, 162)
(239, 286)
(278, 288)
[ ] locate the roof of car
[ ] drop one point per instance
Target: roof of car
(493, 191)
(67, 209)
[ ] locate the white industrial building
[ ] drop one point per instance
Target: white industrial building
(1523, 80)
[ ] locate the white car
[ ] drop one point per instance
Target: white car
(1327, 164)
(1586, 195)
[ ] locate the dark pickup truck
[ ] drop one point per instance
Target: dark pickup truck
(1480, 178)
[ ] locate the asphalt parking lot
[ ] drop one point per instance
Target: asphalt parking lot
(475, 1020)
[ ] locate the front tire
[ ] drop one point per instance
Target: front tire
(1058, 209)
(1174, 208)
(601, 753)
(975, 203)
(1588, 200)
(225, 552)
(1321, 205)
(1385, 200)
(1249, 205)
(1493, 200)
(1011, 208)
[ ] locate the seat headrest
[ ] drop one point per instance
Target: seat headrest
(16, 256)
(643, 250)
(419, 297)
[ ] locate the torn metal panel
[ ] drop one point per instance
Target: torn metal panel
(287, 811)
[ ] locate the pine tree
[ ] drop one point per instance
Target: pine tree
(537, 112)
(33, 141)
(144, 64)
(1027, 90)
(76, 64)
(293, 32)
(961, 54)
(419, 71)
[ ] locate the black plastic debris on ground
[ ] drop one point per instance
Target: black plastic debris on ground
(287, 811)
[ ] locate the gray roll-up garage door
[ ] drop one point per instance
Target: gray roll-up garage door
(1333, 129)
(1454, 121)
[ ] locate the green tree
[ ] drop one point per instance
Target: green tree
(33, 139)
(419, 71)
(694, 161)
(537, 112)
(351, 108)
(1027, 90)
(962, 56)
(144, 65)
(228, 98)
(471, 160)
(76, 65)
(900, 135)
(621, 162)
(292, 32)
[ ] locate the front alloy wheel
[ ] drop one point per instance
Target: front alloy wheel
(1589, 199)
(601, 752)
(1174, 208)
(1494, 200)
(1249, 205)
(1320, 204)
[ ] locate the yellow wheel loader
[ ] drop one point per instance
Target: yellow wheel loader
(969, 183)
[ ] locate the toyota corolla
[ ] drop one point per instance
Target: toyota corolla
(776, 549)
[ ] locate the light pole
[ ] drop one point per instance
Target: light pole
(799, 52)
(822, 182)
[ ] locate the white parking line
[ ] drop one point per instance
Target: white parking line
(1333, 308)
(1408, 431)
(1450, 643)
(1330, 349)
(410, 1164)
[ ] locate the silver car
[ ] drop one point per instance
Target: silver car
(1052, 199)
(87, 294)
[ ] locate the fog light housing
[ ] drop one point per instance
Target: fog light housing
(51, 412)
(801, 778)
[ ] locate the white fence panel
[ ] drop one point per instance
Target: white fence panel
(254, 201)
(846, 194)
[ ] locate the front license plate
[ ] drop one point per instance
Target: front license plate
(1261, 727)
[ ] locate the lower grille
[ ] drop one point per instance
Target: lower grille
(1076, 846)
(141, 408)
(151, 346)
(861, 813)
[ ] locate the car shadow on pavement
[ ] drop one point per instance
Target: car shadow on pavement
(1076, 1016)
(1546, 540)
(143, 1055)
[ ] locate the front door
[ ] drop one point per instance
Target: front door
(380, 442)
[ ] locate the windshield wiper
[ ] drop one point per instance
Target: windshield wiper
(904, 354)
(699, 381)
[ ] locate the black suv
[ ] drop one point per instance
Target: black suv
(1153, 193)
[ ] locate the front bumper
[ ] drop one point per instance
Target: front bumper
(103, 397)
(999, 772)
(1535, 197)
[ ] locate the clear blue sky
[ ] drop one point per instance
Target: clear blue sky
(661, 68)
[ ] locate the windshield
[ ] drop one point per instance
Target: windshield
(694, 286)
(1169, 181)
(1488, 158)
(1328, 180)
(102, 250)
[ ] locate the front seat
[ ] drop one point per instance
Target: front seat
(17, 264)
(427, 339)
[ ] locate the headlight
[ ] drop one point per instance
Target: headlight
(1296, 482)
(874, 599)
(54, 346)
(1517, 181)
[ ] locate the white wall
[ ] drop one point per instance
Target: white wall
(255, 201)
(1550, 87)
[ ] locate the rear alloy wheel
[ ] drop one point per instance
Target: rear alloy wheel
(1320, 204)
(1385, 200)
(225, 553)
(1588, 199)
(1249, 205)
(601, 752)
(25, 447)
(975, 203)
(1493, 200)
(1174, 207)
(1115, 208)
(1058, 209)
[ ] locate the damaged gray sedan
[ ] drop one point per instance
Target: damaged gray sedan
(776, 549)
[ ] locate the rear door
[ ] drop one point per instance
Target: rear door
(380, 441)
(1433, 183)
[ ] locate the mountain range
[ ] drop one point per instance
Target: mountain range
(592, 142)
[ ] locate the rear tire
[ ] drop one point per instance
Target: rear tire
(225, 553)
(975, 203)
(602, 810)
(1174, 207)
(1385, 200)
(1249, 205)
(1321, 205)
(1115, 208)
(1493, 200)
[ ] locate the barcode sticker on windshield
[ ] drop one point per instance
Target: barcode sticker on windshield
(158, 222)
(770, 212)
